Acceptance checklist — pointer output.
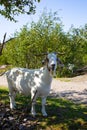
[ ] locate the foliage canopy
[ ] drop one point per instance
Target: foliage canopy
(47, 35)
(11, 8)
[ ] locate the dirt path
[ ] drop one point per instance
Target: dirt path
(74, 89)
(3, 81)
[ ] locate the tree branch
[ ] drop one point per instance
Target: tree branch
(2, 44)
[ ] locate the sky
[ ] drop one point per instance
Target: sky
(71, 12)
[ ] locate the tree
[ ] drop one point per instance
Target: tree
(11, 8)
(46, 35)
(42, 36)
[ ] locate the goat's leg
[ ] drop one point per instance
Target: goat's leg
(43, 106)
(33, 102)
(12, 100)
(12, 93)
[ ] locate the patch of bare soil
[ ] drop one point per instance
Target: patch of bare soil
(74, 89)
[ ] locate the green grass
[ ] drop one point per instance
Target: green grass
(62, 114)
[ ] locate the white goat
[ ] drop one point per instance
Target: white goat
(37, 81)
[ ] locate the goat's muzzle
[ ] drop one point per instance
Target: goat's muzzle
(52, 69)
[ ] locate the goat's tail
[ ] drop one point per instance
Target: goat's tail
(4, 73)
(1, 74)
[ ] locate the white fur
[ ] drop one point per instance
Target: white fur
(27, 81)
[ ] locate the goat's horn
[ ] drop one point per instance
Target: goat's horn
(60, 53)
(41, 54)
(45, 53)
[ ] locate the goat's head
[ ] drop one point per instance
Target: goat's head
(51, 62)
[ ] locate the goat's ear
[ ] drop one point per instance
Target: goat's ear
(59, 61)
(43, 62)
(47, 60)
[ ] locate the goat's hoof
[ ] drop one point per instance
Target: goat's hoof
(33, 114)
(45, 115)
(13, 108)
